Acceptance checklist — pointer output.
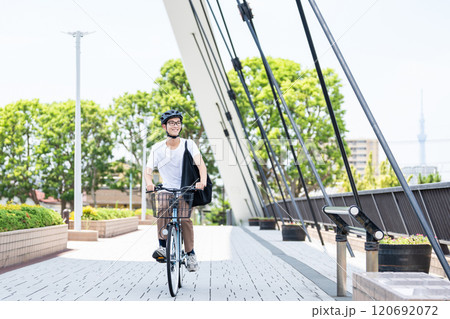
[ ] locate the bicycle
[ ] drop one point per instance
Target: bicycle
(175, 256)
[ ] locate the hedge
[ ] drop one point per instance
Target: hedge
(15, 217)
(91, 213)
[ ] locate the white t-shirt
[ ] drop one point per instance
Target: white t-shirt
(169, 162)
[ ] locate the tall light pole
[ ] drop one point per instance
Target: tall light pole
(144, 162)
(78, 204)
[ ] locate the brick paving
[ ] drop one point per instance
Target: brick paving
(235, 264)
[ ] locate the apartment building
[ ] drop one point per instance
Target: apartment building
(360, 150)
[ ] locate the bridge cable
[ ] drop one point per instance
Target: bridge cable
(267, 150)
(224, 106)
(369, 237)
(409, 194)
(283, 121)
(265, 183)
(287, 187)
(247, 16)
(278, 166)
(273, 155)
(217, 92)
(229, 118)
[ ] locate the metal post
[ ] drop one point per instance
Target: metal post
(371, 256)
(77, 187)
(341, 254)
(78, 201)
(131, 176)
(144, 160)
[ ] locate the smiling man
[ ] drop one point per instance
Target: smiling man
(167, 156)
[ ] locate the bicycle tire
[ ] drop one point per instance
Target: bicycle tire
(173, 260)
(180, 275)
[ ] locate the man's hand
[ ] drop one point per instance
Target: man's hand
(200, 185)
(151, 188)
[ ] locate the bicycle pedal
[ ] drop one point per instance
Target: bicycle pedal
(161, 259)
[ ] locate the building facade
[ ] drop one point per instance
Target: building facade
(360, 150)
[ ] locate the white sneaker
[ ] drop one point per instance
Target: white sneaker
(160, 254)
(191, 263)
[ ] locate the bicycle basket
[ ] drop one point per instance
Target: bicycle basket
(166, 202)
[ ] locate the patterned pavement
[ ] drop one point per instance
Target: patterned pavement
(236, 264)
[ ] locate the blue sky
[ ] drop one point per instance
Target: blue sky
(394, 49)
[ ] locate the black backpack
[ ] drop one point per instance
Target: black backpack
(191, 175)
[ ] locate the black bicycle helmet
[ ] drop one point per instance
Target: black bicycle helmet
(170, 114)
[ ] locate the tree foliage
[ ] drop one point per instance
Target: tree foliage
(56, 149)
(385, 179)
(302, 92)
(18, 173)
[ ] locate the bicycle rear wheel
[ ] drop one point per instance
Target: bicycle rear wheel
(182, 264)
(173, 260)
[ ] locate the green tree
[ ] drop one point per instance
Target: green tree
(356, 177)
(369, 180)
(305, 100)
(387, 177)
(127, 112)
(97, 146)
(56, 149)
(18, 176)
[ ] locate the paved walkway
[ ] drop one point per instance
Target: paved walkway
(236, 263)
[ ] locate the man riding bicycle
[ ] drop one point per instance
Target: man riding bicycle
(167, 156)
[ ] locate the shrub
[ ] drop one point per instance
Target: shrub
(138, 212)
(91, 213)
(15, 217)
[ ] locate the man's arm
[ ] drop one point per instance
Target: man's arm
(149, 179)
(198, 160)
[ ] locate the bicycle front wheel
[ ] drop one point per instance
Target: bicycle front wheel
(173, 260)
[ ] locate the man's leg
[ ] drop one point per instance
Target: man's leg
(188, 236)
(163, 211)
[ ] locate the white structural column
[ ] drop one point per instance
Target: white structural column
(184, 27)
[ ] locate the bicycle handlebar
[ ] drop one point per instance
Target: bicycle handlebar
(174, 190)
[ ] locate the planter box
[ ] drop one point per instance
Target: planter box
(404, 258)
(110, 227)
(253, 221)
(23, 245)
(293, 233)
(267, 224)
(149, 220)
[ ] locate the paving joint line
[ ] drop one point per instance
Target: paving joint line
(325, 284)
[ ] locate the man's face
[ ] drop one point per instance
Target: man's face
(173, 126)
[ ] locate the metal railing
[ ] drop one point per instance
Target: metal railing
(390, 209)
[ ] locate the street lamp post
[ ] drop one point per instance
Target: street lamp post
(78, 205)
(144, 160)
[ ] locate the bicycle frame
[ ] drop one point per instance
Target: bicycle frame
(177, 225)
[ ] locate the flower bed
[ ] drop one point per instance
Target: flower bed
(405, 254)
